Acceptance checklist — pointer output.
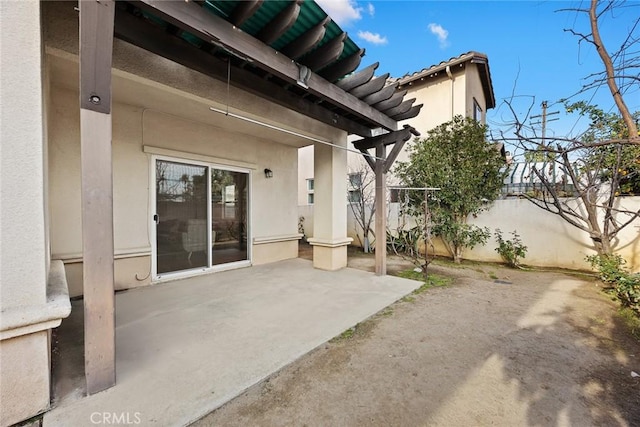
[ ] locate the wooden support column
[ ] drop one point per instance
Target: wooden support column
(381, 211)
(381, 166)
(96, 47)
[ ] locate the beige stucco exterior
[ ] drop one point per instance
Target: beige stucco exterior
(159, 110)
(32, 298)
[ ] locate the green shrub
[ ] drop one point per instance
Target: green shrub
(511, 250)
(625, 285)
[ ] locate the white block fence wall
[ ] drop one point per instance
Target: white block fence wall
(551, 241)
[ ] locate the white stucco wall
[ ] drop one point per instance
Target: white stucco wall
(474, 90)
(22, 229)
(273, 201)
(24, 342)
(551, 241)
(160, 105)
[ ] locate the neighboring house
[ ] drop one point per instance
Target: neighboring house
(117, 171)
(459, 86)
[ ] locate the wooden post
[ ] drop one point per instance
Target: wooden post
(96, 47)
(381, 211)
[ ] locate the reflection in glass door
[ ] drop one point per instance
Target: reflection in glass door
(181, 216)
(229, 194)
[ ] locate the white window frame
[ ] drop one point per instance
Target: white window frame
(311, 185)
(155, 277)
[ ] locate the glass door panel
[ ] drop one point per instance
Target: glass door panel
(181, 222)
(229, 197)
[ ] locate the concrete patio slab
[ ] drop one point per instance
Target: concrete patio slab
(185, 348)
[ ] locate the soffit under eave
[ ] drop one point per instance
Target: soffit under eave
(264, 66)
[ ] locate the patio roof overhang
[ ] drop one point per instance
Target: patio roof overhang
(288, 52)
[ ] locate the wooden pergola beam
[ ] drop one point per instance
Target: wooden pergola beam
(209, 27)
(156, 40)
(384, 139)
(96, 49)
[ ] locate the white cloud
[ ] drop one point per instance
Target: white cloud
(374, 38)
(343, 12)
(371, 9)
(440, 33)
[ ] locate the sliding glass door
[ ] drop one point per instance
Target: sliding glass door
(201, 216)
(229, 213)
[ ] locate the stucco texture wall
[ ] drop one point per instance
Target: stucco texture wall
(551, 241)
(160, 105)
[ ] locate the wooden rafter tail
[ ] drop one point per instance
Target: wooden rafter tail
(307, 41)
(188, 16)
(343, 67)
(394, 101)
(243, 11)
(413, 112)
(280, 24)
(357, 78)
(400, 109)
(325, 54)
(372, 86)
(382, 95)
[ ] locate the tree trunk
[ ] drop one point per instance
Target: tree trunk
(457, 254)
(610, 72)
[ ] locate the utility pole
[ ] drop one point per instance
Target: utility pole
(544, 120)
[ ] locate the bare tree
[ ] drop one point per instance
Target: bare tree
(361, 198)
(598, 167)
(619, 66)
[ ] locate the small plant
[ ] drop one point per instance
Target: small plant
(511, 250)
(625, 285)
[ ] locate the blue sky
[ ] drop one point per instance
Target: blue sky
(524, 41)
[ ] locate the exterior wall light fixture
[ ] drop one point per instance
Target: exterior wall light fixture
(268, 173)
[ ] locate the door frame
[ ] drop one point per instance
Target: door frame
(155, 277)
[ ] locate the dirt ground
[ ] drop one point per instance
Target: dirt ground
(495, 347)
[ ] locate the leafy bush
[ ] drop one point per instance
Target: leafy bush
(626, 285)
(511, 250)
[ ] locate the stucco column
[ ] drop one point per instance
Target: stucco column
(330, 206)
(27, 309)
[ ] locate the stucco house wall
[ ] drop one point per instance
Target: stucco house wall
(150, 117)
(29, 306)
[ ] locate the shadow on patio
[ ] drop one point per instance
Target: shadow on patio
(186, 347)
